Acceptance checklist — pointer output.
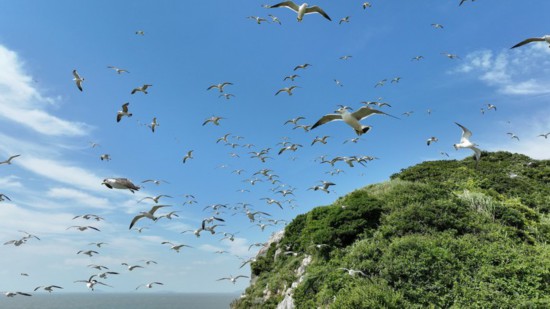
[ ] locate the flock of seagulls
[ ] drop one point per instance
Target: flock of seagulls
(217, 214)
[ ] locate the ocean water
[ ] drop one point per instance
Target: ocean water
(119, 301)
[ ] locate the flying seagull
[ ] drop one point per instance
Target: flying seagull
(8, 161)
(154, 199)
(302, 66)
(352, 119)
(153, 124)
(118, 70)
(189, 155)
(219, 86)
(147, 214)
(287, 90)
(123, 112)
(231, 278)
(431, 140)
(302, 10)
(142, 89)
(48, 288)
(544, 38)
(78, 80)
(149, 285)
(120, 183)
(466, 143)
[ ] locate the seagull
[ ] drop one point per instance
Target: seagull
(83, 228)
(227, 96)
(189, 155)
(147, 214)
(462, 1)
(149, 285)
(431, 140)
(231, 278)
(512, 135)
(417, 58)
(120, 183)
(352, 119)
(119, 71)
(352, 272)
(302, 66)
(408, 113)
(544, 38)
(344, 20)
(142, 89)
(395, 80)
(450, 56)
(123, 112)
(444, 154)
(346, 57)
(491, 106)
(252, 215)
(287, 90)
(322, 140)
(544, 135)
(105, 157)
(90, 283)
(466, 143)
(366, 5)
(271, 201)
(103, 275)
(219, 86)
(12, 294)
(294, 120)
(274, 19)
(292, 147)
(48, 288)
(175, 247)
(78, 80)
(437, 26)
(338, 83)
(302, 10)
(131, 267)
(258, 20)
(89, 253)
(140, 32)
(154, 199)
(380, 83)
(155, 181)
(153, 124)
(98, 267)
(291, 77)
(214, 119)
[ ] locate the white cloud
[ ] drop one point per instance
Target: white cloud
(519, 72)
(78, 197)
(20, 102)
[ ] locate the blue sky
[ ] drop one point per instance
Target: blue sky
(188, 46)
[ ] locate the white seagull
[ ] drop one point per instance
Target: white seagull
(219, 86)
(78, 80)
(142, 89)
(231, 278)
(352, 119)
(466, 143)
(149, 285)
(302, 10)
(123, 112)
(147, 214)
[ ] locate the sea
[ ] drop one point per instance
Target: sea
(94, 300)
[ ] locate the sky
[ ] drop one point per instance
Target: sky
(187, 47)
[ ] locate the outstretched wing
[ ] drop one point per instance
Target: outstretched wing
(288, 4)
(327, 118)
(316, 9)
(366, 111)
(466, 134)
(527, 41)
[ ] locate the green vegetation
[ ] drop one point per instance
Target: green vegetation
(440, 234)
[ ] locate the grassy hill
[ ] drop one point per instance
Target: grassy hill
(439, 234)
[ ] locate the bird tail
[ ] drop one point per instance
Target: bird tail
(365, 129)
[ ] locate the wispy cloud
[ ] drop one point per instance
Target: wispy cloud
(78, 197)
(522, 71)
(22, 103)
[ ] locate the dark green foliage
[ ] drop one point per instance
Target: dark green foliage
(440, 234)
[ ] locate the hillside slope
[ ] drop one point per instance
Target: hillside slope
(439, 234)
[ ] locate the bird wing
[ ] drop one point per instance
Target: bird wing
(477, 152)
(365, 112)
(327, 118)
(288, 4)
(79, 84)
(157, 207)
(136, 218)
(125, 107)
(316, 9)
(466, 134)
(527, 41)
(75, 74)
